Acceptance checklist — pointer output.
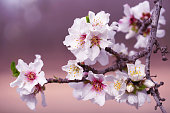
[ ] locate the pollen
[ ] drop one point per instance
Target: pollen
(30, 76)
(117, 85)
(98, 86)
(95, 40)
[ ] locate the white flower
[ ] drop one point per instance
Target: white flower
(148, 83)
(120, 48)
(30, 98)
(136, 71)
(96, 41)
(118, 84)
(131, 23)
(74, 70)
(95, 90)
(76, 39)
(30, 75)
(136, 100)
(100, 19)
(30, 81)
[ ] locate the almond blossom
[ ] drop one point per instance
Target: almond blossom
(30, 81)
(74, 70)
(94, 90)
(131, 87)
(131, 23)
(87, 39)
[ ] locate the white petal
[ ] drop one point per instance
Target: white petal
(130, 34)
(141, 42)
(30, 85)
(132, 99)
(37, 65)
(90, 95)
(142, 97)
(103, 58)
(100, 99)
(19, 81)
(87, 88)
(160, 33)
(124, 25)
(41, 78)
(94, 52)
(22, 66)
(127, 11)
(30, 100)
(22, 91)
(43, 99)
(77, 94)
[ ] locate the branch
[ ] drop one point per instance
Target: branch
(152, 41)
(61, 80)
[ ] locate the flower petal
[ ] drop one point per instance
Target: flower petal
(37, 65)
(41, 78)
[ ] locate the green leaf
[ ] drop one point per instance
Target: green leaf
(140, 88)
(15, 72)
(87, 19)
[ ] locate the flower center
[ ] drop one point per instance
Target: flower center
(82, 38)
(31, 76)
(145, 16)
(97, 85)
(95, 40)
(74, 70)
(97, 22)
(118, 85)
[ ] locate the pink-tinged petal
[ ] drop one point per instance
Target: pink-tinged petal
(22, 66)
(123, 24)
(30, 100)
(127, 11)
(19, 81)
(132, 99)
(41, 78)
(100, 99)
(37, 65)
(91, 76)
(43, 99)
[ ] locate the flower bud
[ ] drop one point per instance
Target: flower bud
(130, 88)
(148, 83)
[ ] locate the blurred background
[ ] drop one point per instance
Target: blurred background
(29, 27)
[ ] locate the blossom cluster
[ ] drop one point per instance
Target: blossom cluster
(88, 37)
